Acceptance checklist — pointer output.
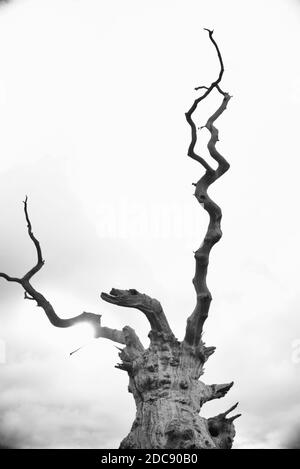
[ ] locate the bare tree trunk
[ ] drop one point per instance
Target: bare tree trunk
(164, 379)
(168, 397)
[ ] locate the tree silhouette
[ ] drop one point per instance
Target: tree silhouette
(164, 378)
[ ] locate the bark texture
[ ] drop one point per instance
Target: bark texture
(164, 378)
(164, 381)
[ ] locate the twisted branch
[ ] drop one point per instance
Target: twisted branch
(32, 294)
(40, 261)
(196, 320)
(149, 306)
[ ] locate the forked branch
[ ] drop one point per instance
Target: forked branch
(196, 320)
(222, 429)
(32, 294)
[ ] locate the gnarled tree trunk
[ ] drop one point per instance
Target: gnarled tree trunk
(164, 379)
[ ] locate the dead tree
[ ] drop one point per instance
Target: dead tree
(164, 378)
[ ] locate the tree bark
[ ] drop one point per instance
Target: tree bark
(168, 397)
(164, 381)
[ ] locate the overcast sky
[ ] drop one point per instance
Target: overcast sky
(92, 102)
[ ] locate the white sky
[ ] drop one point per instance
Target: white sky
(92, 102)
